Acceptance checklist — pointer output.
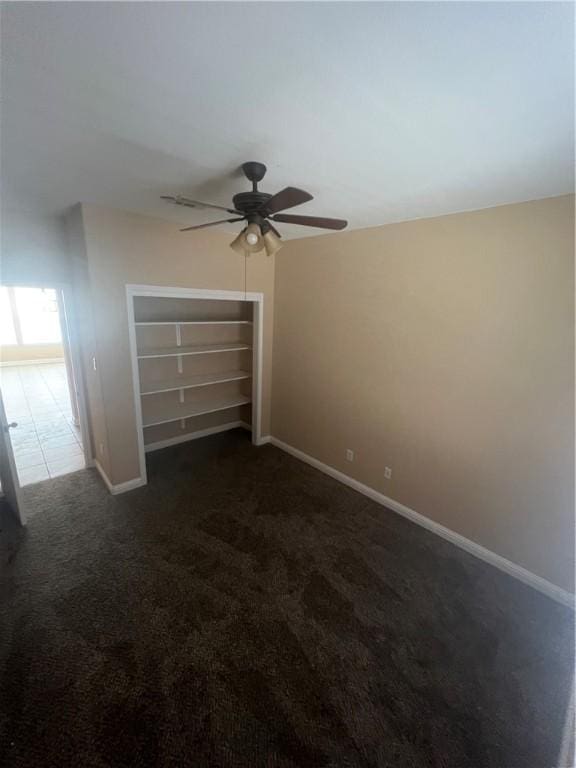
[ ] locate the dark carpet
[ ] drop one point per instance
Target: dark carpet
(245, 610)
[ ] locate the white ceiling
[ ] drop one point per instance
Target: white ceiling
(383, 111)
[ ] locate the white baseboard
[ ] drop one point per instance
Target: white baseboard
(263, 440)
(42, 361)
(194, 435)
(537, 582)
(129, 485)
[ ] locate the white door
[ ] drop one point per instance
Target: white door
(8, 474)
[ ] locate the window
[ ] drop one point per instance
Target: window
(7, 328)
(37, 310)
(29, 316)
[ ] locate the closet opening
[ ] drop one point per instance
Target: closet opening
(38, 383)
(196, 363)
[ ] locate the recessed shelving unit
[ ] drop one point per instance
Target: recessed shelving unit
(196, 361)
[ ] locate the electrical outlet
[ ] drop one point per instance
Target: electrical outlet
(387, 473)
(101, 449)
(349, 455)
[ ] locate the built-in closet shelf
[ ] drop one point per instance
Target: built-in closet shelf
(196, 358)
(196, 349)
(193, 322)
(163, 415)
(200, 380)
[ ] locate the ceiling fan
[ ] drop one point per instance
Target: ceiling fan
(259, 210)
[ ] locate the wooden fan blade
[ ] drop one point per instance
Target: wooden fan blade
(211, 224)
(189, 203)
(286, 198)
(311, 221)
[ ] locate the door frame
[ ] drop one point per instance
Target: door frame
(71, 346)
(71, 343)
(165, 292)
(18, 511)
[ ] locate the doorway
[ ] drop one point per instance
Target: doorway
(38, 383)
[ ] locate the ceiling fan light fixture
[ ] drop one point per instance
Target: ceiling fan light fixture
(250, 240)
(253, 238)
(272, 243)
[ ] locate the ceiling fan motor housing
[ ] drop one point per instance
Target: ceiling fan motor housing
(250, 202)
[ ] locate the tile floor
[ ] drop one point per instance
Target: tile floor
(46, 442)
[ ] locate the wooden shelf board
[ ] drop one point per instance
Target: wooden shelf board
(193, 322)
(200, 380)
(188, 411)
(197, 349)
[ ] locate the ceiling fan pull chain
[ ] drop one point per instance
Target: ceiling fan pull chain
(245, 271)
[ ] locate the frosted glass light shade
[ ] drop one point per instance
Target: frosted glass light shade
(272, 243)
(251, 231)
(238, 243)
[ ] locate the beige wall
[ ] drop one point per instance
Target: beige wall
(86, 335)
(126, 248)
(442, 348)
(13, 353)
